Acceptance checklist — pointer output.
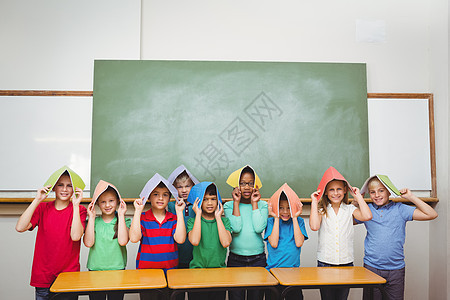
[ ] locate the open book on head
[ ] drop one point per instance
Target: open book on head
(384, 179)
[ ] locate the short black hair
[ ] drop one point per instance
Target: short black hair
(247, 170)
(211, 190)
(283, 196)
(162, 185)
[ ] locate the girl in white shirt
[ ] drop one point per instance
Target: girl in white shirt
(333, 217)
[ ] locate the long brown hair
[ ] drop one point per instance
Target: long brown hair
(324, 201)
(116, 226)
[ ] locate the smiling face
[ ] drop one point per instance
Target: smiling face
(159, 198)
(108, 202)
(284, 210)
(246, 184)
(378, 192)
(63, 188)
(335, 191)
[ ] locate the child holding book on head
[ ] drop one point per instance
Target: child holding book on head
(158, 230)
(183, 181)
(285, 238)
(107, 234)
(60, 228)
(383, 246)
(332, 216)
(248, 218)
(208, 232)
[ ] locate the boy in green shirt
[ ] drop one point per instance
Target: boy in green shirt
(208, 232)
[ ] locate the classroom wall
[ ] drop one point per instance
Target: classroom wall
(52, 46)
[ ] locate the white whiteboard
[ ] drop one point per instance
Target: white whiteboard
(399, 141)
(41, 134)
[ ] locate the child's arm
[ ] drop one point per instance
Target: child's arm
(235, 221)
(122, 229)
(259, 212)
(89, 235)
(298, 235)
(274, 237)
(423, 211)
(256, 196)
(224, 235)
(195, 235)
(180, 231)
(362, 213)
(315, 219)
(77, 229)
(236, 194)
(24, 222)
(135, 228)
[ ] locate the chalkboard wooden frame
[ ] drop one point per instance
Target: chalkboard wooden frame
(429, 97)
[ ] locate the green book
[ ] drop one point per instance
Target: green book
(74, 178)
(384, 179)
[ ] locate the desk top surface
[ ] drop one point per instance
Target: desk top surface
(326, 276)
(219, 277)
(109, 280)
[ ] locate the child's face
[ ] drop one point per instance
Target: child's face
(335, 191)
(108, 202)
(209, 204)
(284, 210)
(379, 193)
(246, 184)
(183, 188)
(63, 188)
(159, 198)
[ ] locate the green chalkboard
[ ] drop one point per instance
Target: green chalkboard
(290, 121)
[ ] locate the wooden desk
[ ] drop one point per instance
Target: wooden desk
(317, 277)
(128, 281)
(220, 279)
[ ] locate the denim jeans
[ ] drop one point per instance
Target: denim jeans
(334, 293)
(45, 294)
(235, 260)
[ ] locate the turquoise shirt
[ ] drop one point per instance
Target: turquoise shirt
(247, 228)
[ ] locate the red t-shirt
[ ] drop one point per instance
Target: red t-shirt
(54, 252)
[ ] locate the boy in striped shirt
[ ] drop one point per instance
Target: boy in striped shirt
(158, 230)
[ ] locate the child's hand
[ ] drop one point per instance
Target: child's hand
(355, 191)
(315, 196)
(122, 208)
(91, 211)
(256, 196)
(236, 194)
(271, 212)
(180, 205)
(406, 193)
(300, 210)
(78, 196)
(195, 207)
(138, 205)
(42, 193)
(219, 210)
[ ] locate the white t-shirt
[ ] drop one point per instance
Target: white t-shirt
(336, 236)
